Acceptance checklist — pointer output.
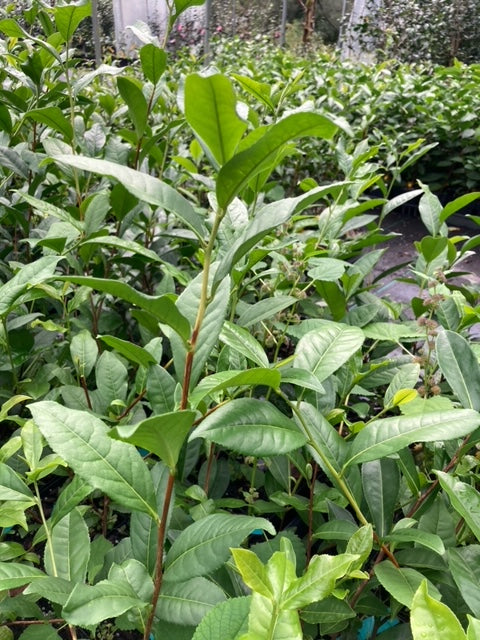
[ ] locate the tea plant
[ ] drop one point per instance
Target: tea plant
(214, 427)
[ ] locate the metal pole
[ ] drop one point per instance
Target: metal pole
(96, 34)
(283, 29)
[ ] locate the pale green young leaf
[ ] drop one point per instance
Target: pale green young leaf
(465, 500)
(32, 444)
(253, 572)
(267, 620)
(250, 426)
(319, 580)
(210, 110)
(12, 486)
(432, 619)
(401, 583)
(116, 468)
(361, 544)
(205, 545)
(226, 620)
(188, 601)
(383, 437)
(473, 629)
(162, 435)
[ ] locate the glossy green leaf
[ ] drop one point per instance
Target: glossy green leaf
(205, 545)
(234, 378)
(126, 245)
(72, 495)
(28, 276)
(464, 564)
(473, 630)
(360, 544)
(459, 203)
(136, 103)
(84, 352)
(242, 341)
(188, 601)
(460, 367)
(162, 307)
(244, 166)
(69, 16)
(381, 486)
(112, 379)
(116, 468)
(227, 620)
(432, 619)
(142, 185)
(160, 390)
(153, 61)
(144, 530)
(465, 500)
(70, 549)
(52, 117)
(331, 610)
(406, 378)
(133, 573)
(162, 435)
(183, 5)
(424, 538)
(12, 486)
(264, 309)
(89, 605)
(301, 378)
(401, 583)
(393, 332)
(430, 211)
(383, 437)
(129, 350)
(250, 426)
(210, 109)
(13, 575)
(324, 350)
(336, 530)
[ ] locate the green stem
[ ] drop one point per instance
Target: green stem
(9, 354)
(48, 533)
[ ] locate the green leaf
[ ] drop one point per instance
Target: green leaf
(252, 427)
(136, 103)
(381, 486)
(265, 309)
(70, 545)
(47, 209)
(27, 277)
(153, 61)
(233, 378)
(260, 90)
(464, 563)
(145, 187)
(301, 378)
(226, 620)
(183, 5)
(126, 245)
(384, 331)
(237, 172)
(432, 619)
(189, 601)
(38, 632)
(429, 540)
(116, 468)
(459, 203)
(406, 378)
(328, 611)
(162, 307)
(360, 544)
(465, 500)
(13, 575)
(128, 350)
(160, 390)
(319, 580)
(89, 605)
(242, 341)
(205, 545)
(53, 117)
(69, 16)
(383, 437)
(112, 378)
(58, 589)
(10, 28)
(430, 212)
(473, 630)
(12, 486)
(460, 367)
(401, 583)
(84, 352)
(162, 435)
(326, 349)
(336, 530)
(210, 109)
